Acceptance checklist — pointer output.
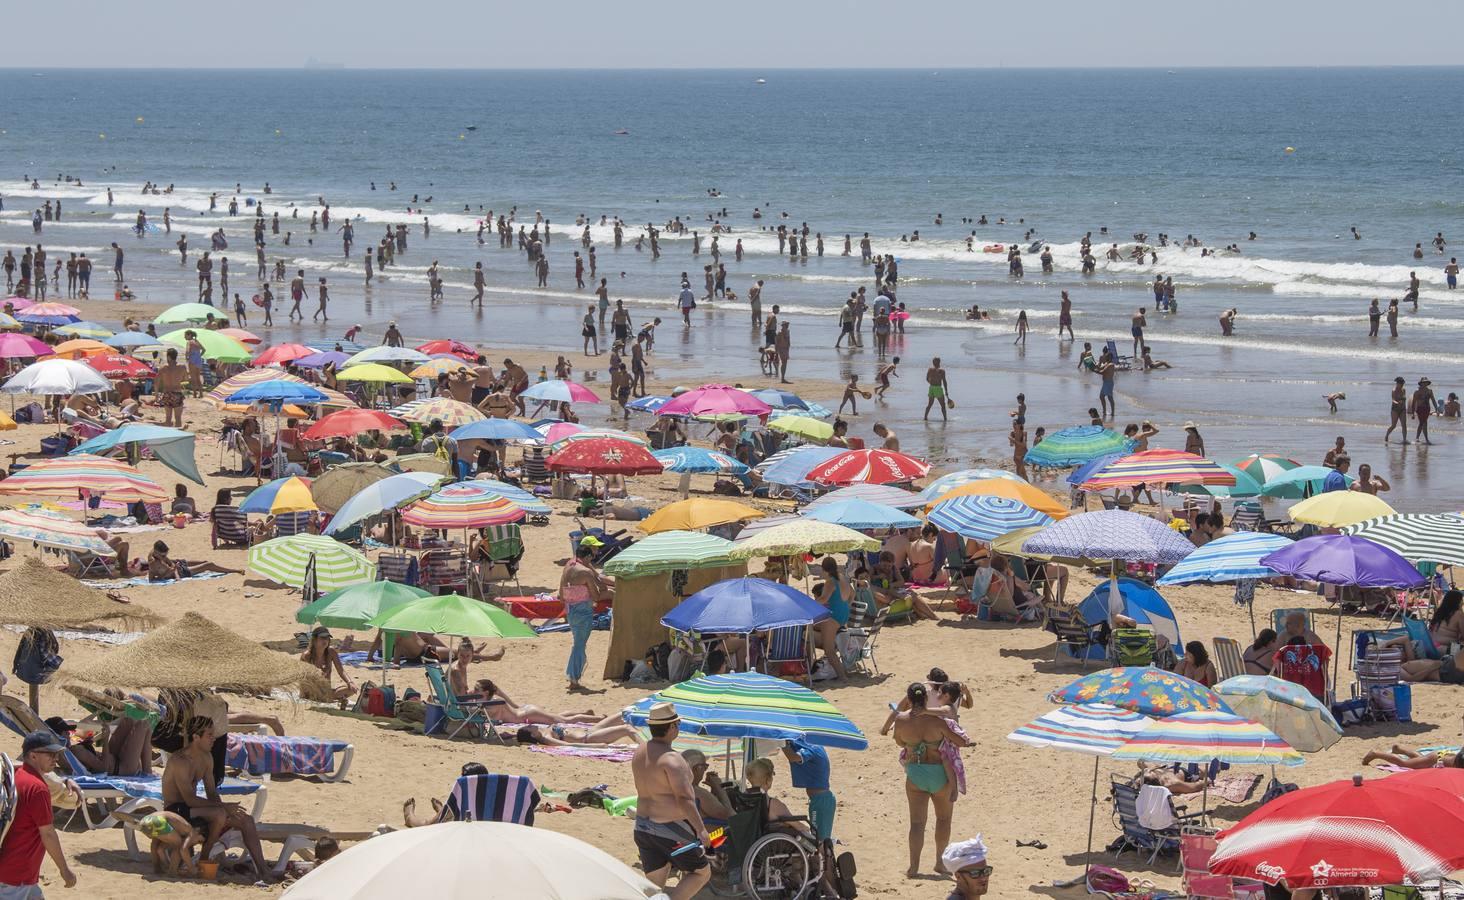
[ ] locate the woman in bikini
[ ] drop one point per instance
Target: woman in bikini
(1408, 758)
(1398, 409)
(505, 710)
(321, 655)
(926, 782)
(609, 730)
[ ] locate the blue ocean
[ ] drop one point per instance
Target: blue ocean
(1298, 157)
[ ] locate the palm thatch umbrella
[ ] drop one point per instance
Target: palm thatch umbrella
(193, 653)
(35, 595)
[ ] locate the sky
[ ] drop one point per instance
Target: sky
(753, 34)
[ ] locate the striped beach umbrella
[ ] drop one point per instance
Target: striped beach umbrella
(802, 535)
(530, 504)
(1285, 707)
(1020, 491)
(690, 460)
(459, 506)
(221, 392)
(985, 518)
(1230, 558)
(1141, 689)
(50, 530)
(869, 466)
(1202, 736)
(97, 476)
(668, 551)
(1075, 446)
(1338, 509)
(1158, 467)
(283, 495)
(884, 494)
(1417, 537)
(952, 480)
(49, 314)
(750, 704)
(1094, 728)
(450, 413)
(1111, 534)
(1264, 466)
(791, 466)
(286, 560)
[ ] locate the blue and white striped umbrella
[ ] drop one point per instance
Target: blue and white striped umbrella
(861, 515)
(983, 518)
(792, 466)
(951, 480)
(1111, 534)
(886, 494)
(699, 461)
(1096, 728)
(781, 399)
(649, 403)
(1230, 558)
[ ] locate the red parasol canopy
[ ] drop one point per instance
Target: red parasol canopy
(872, 466)
(605, 456)
(282, 353)
(456, 348)
(351, 422)
(114, 365)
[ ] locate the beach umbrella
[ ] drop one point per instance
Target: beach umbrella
(869, 466)
(1096, 729)
(320, 359)
(78, 348)
(778, 398)
(715, 400)
(1036, 498)
(750, 704)
(342, 482)
(287, 560)
(1111, 534)
(277, 391)
(22, 346)
(348, 423)
(189, 312)
(128, 340)
(1141, 689)
(216, 347)
(1357, 832)
(453, 614)
(742, 606)
(355, 606)
(34, 595)
(423, 462)
(459, 506)
(690, 460)
(17, 303)
(669, 551)
(8, 321)
(791, 466)
(885, 494)
(1203, 735)
(282, 353)
(115, 365)
(1231, 558)
(556, 436)
(391, 492)
(432, 368)
(84, 474)
(450, 413)
(648, 404)
(56, 376)
(1288, 709)
(1263, 467)
(802, 426)
(49, 314)
(1158, 467)
(1338, 509)
(283, 495)
(1080, 474)
(1075, 446)
(558, 391)
(861, 515)
(1301, 481)
(1245, 486)
(952, 480)
(50, 530)
(221, 392)
(172, 447)
(446, 345)
(376, 373)
(696, 514)
(84, 329)
(496, 430)
(748, 529)
(604, 456)
(554, 431)
(448, 860)
(530, 503)
(337, 344)
(386, 354)
(1417, 537)
(984, 518)
(802, 535)
(243, 336)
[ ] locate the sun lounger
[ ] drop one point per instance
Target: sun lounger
(259, 754)
(1228, 658)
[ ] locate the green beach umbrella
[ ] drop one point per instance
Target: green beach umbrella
(189, 312)
(354, 607)
(453, 614)
(668, 551)
(1245, 486)
(286, 559)
(802, 426)
(217, 347)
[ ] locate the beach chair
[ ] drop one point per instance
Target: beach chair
(693, 654)
(1228, 659)
(534, 468)
(445, 569)
(1196, 846)
(1247, 516)
(90, 565)
(1121, 363)
(1278, 619)
(491, 798)
(1069, 629)
(291, 524)
(1376, 674)
(1132, 647)
(1134, 835)
(789, 648)
(399, 567)
(466, 715)
(865, 639)
(505, 552)
(1297, 661)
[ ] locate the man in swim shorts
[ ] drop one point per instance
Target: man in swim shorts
(669, 832)
(935, 379)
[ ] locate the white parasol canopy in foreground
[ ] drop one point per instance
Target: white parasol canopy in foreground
(57, 376)
(477, 860)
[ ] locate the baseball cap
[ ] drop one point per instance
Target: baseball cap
(46, 742)
(590, 540)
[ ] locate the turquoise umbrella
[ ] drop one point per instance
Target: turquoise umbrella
(750, 704)
(1075, 446)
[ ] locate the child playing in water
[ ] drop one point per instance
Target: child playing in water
(886, 372)
(1332, 400)
(851, 396)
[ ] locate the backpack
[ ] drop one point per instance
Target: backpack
(36, 658)
(1102, 879)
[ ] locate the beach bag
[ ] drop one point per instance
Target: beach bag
(1133, 647)
(36, 659)
(1105, 880)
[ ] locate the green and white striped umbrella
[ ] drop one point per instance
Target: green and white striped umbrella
(285, 560)
(1417, 537)
(668, 551)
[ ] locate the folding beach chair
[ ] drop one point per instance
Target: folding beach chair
(1278, 619)
(1070, 630)
(399, 567)
(789, 648)
(467, 715)
(505, 551)
(491, 798)
(445, 569)
(1196, 846)
(1132, 647)
(863, 639)
(1141, 838)
(1228, 659)
(1121, 363)
(1377, 673)
(1247, 516)
(291, 524)
(90, 565)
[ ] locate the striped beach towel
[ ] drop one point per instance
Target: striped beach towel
(492, 798)
(260, 754)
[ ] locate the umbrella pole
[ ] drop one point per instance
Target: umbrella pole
(1092, 810)
(1337, 643)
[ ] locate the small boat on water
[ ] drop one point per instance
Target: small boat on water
(622, 131)
(761, 81)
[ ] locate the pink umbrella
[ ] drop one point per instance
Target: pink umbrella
(282, 353)
(17, 303)
(561, 430)
(14, 346)
(715, 400)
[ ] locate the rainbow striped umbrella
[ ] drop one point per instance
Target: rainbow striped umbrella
(750, 704)
(1200, 736)
(221, 392)
(461, 506)
(1094, 728)
(1075, 446)
(98, 476)
(450, 413)
(1158, 467)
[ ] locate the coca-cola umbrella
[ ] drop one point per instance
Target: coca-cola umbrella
(604, 456)
(869, 466)
(115, 365)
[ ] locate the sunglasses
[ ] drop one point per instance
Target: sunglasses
(977, 872)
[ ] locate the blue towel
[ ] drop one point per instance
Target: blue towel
(358, 658)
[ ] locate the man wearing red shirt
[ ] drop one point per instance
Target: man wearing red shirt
(31, 833)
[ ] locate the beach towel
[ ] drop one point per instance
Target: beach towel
(357, 658)
(601, 622)
(142, 581)
(1234, 787)
(610, 754)
(491, 798)
(542, 606)
(101, 637)
(260, 754)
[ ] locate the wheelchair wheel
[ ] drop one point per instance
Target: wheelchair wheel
(777, 868)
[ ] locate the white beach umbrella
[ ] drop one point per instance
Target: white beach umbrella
(387, 355)
(57, 376)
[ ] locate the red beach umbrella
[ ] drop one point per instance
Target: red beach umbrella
(456, 348)
(869, 466)
(605, 456)
(114, 365)
(351, 422)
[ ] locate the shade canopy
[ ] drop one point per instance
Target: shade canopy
(1298, 481)
(1034, 497)
(1202, 736)
(791, 466)
(1160, 466)
(530, 503)
(805, 427)
(380, 496)
(559, 391)
(387, 354)
(375, 373)
(342, 482)
(98, 476)
(277, 391)
(448, 345)
(55, 531)
(604, 456)
(715, 400)
(189, 312)
(282, 495)
(1342, 559)
(217, 347)
(355, 606)
(952, 480)
(56, 376)
(1136, 600)
(699, 461)
(742, 606)
(172, 447)
(450, 413)
(453, 614)
(1111, 534)
(463, 506)
(348, 423)
(1096, 729)
(496, 430)
(235, 383)
(750, 704)
(883, 494)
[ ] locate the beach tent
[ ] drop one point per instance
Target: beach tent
(641, 602)
(172, 447)
(1141, 603)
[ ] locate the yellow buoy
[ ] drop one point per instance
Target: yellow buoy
(1290, 149)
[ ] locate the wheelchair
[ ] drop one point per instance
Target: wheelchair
(777, 861)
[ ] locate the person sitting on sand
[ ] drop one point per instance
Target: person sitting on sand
(921, 557)
(1259, 654)
(173, 840)
(409, 808)
(182, 503)
(465, 655)
(1449, 670)
(1150, 363)
(161, 567)
(1196, 665)
(890, 587)
(321, 655)
(1408, 758)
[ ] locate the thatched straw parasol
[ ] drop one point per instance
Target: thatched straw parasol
(34, 594)
(193, 653)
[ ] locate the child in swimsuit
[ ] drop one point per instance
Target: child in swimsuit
(172, 839)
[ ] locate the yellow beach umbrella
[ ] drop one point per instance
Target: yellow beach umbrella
(803, 426)
(1036, 498)
(1338, 509)
(696, 514)
(77, 348)
(437, 367)
(374, 372)
(802, 536)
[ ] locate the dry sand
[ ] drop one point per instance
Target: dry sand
(1015, 793)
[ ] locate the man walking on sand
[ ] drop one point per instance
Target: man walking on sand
(669, 832)
(935, 377)
(31, 834)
